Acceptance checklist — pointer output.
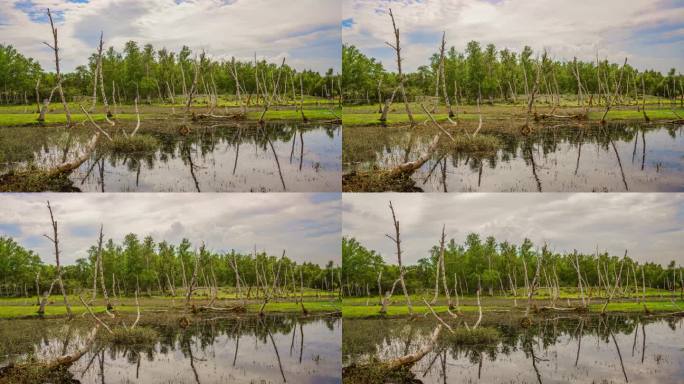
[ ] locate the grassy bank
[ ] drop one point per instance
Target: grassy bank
(27, 307)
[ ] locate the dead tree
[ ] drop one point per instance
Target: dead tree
(193, 88)
(397, 241)
(532, 287)
(99, 265)
(576, 264)
(55, 241)
(237, 86)
(443, 75)
(397, 49)
(58, 75)
(193, 280)
(610, 101)
(268, 99)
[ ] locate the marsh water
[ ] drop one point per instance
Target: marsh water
(587, 349)
(567, 157)
(220, 157)
(229, 349)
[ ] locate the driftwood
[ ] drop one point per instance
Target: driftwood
(412, 166)
(410, 359)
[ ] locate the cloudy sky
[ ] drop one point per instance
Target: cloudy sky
(649, 226)
(307, 32)
(306, 225)
(649, 32)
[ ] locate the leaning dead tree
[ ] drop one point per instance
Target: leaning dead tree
(58, 74)
(55, 240)
(397, 49)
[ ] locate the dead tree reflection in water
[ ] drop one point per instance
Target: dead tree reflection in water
(528, 345)
(617, 347)
(579, 151)
(579, 340)
(301, 343)
(237, 342)
(275, 348)
(643, 343)
(301, 150)
(643, 150)
(530, 155)
(187, 151)
(636, 333)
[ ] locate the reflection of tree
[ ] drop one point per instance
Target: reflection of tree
(363, 337)
(372, 144)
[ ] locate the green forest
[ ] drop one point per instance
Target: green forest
(158, 268)
(491, 73)
(501, 268)
(155, 74)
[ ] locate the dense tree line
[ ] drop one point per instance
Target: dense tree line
(505, 75)
(156, 74)
(500, 267)
(159, 268)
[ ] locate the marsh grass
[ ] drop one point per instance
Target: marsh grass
(133, 144)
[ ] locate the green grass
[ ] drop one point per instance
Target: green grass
(653, 306)
(51, 310)
(311, 306)
(657, 114)
(14, 119)
(362, 311)
(291, 114)
(25, 307)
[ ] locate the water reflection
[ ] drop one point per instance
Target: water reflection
(590, 349)
(277, 157)
(273, 349)
(618, 157)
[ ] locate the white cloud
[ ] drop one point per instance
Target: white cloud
(649, 225)
(305, 31)
(223, 221)
(566, 28)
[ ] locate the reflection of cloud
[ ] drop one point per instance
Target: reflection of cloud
(272, 222)
(649, 226)
(305, 31)
(566, 28)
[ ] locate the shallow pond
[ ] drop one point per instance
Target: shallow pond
(562, 158)
(209, 158)
(559, 350)
(229, 349)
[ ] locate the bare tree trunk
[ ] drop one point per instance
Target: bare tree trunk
(443, 76)
(443, 268)
(58, 74)
(397, 241)
(55, 241)
(237, 86)
(100, 267)
(397, 49)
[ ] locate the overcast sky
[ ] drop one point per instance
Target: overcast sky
(307, 226)
(307, 32)
(649, 32)
(649, 226)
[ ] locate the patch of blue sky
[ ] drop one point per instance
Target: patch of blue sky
(33, 241)
(319, 198)
(424, 37)
(11, 230)
(665, 33)
(347, 23)
(38, 15)
(83, 231)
